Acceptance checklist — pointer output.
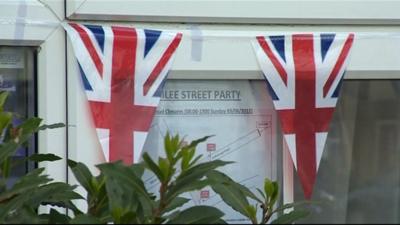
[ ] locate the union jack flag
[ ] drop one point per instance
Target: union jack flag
(123, 72)
(304, 74)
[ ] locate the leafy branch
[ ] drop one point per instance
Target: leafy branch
(119, 195)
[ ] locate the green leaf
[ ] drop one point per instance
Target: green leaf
(129, 181)
(233, 197)
(44, 158)
(5, 120)
(6, 168)
(185, 160)
(169, 149)
(25, 215)
(146, 206)
(129, 218)
(24, 132)
(221, 221)
(193, 186)
(55, 194)
(7, 149)
(194, 143)
(272, 191)
(232, 193)
(121, 199)
(165, 168)
(26, 184)
(268, 187)
(3, 98)
(151, 165)
(26, 192)
(200, 171)
(275, 194)
(291, 217)
(291, 205)
(187, 156)
(66, 205)
(195, 161)
(252, 212)
(198, 215)
(11, 205)
(138, 169)
(192, 176)
(171, 146)
(99, 202)
(172, 215)
(51, 126)
(29, 127)
(57, 218)
(83, 176)
(176, 203)
(85, 219)
(222, 178)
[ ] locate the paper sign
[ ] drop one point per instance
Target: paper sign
(240, 115)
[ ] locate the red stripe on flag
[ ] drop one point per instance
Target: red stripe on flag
(303, 55)
(90, 47)
(161, 64)
(339, 64)
(264, 45)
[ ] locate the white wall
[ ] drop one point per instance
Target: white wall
(239, 11)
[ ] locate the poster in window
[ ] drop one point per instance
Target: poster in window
(241, 116)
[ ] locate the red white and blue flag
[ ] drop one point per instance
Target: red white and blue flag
(123, 72)
(304, 73)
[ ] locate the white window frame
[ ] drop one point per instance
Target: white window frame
(39, 27)
(239, 11)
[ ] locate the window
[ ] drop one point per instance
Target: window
(18, 78)
(359, 176)
(227, 59)
(241, 116)
(31, 23)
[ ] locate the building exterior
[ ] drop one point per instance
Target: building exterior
(359, 175)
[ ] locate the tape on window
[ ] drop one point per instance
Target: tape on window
(197, 43)
(24, 22)
(22, 13)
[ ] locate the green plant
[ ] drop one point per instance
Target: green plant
(237, 196)
(20, 202)
(118, 194)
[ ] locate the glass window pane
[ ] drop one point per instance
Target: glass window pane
(17, 76)
(240, 115)
(359, 175)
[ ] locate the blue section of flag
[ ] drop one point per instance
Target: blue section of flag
(271, 91)
(98, 34)
(337, 90)
(279, 43)
(151, 38)
(326, 42)
(86, 83)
